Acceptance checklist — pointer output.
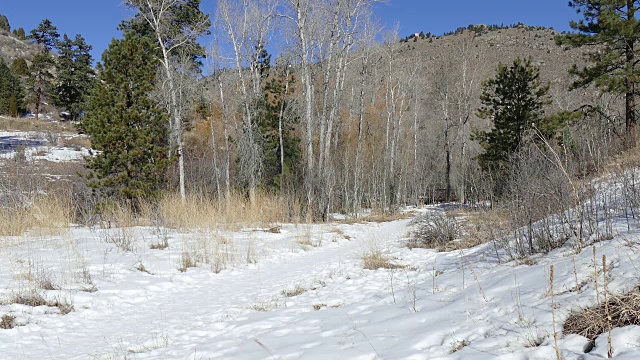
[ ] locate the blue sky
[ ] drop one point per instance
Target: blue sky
(97, 20)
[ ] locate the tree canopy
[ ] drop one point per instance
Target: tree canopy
(513, 100)
(126, 126)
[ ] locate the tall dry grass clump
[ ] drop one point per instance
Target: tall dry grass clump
(49, 214)
(203, 212)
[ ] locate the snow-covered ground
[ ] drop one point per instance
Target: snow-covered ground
(38, 145)
(299, 294)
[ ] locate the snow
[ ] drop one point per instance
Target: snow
(298, 294)
(38, 147)
(470, 301)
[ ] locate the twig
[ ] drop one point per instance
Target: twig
(553, 315)
(606, 305)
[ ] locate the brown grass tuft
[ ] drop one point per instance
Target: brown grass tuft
(298, 290)
(48, 214)
(591, 322)
(375, 259)
(7, 321)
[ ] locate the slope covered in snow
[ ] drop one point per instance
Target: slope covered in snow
(299, 294)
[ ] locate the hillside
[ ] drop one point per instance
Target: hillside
(12, 48)
(491, 48)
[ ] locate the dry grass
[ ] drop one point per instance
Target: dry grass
(50, 215)
(160, 245)
(297, 290)
(480, 226)
(75, 142)
(7, 321)
(377, 218)
(29, 298)
(16, 124)
(200, 212)
(375, 259)
(186, 261)
(591, 322)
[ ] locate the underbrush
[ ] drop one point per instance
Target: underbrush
(49, 214)
(623, 310)
(202, 212)
(434, 230)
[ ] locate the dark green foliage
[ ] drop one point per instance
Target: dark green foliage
(74, 75)
(553, 125)
(4, 23)
(126, 126)
(19, 34)
(45, 36)
(11, 96)
(20, 67)
(274, 102)
(183, 22)
(612, 29)
(514, 101)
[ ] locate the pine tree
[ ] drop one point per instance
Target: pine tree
(514, 101)
(74, 75)
(19, 67)
(19, 34)
(175, 26)
(126, 126)
(271, 107)
(45, 36)
(11, 96)
(611, 29)
(4, 23)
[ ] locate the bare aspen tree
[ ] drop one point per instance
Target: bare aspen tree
(214, 62)
(399, 82)
(248, 24)
(444, 91)
(302, 13)
(367, 42)
(466, 88)
(174, 33)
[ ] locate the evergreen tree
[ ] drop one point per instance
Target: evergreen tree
(274, 105)
(514, 101)
(45, 36)
(125, 125)
(273, 112)
(611, 29)
(74, 75)
(20, 67)
(4, 23)
(11, 96)
(19, 34)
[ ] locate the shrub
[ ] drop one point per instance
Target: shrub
(591, 322)
(434, 230)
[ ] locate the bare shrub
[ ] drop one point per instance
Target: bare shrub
(434, 230)
(186, 261)
(29, 298)
(590, 322)
(7, 321)
(121, 239)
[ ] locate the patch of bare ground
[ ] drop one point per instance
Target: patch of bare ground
(25, 124)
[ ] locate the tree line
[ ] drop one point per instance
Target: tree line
(340, 120)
